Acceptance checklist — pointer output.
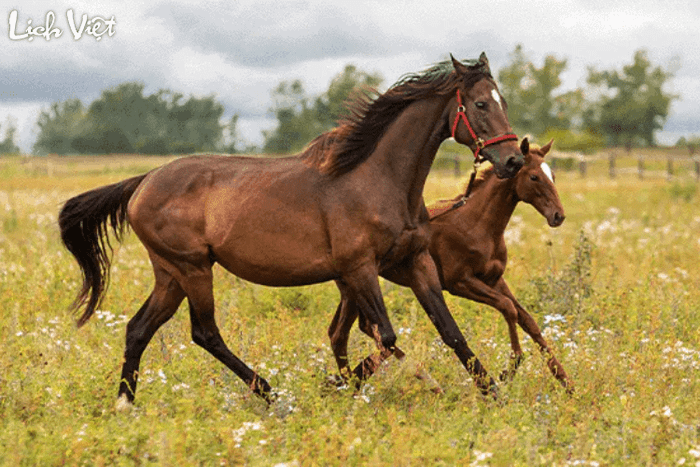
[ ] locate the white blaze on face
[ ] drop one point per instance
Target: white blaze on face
(496, 97)
(547, 171)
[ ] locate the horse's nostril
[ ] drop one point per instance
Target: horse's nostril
(512, 163)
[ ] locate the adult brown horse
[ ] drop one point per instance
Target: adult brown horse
(345, 209)
(469, 249)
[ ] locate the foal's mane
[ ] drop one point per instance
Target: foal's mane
(369, 114)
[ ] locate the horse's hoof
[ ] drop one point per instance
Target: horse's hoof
(336, 381)
(123, 404)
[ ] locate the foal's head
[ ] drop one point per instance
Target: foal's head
(535, 183)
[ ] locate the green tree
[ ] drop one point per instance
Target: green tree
(8, 146)
(632, 104)
(331, 106)
(301, 118)
(59, 126)
(124, 120)
(116, 122)
(297, 121)
(532, 106)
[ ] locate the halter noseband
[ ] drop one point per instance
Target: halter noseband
(480, 143)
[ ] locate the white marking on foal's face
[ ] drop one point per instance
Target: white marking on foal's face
(547, 171)
(496, 97)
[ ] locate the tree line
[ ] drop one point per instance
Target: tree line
(616, 107)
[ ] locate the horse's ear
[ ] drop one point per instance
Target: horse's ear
(547, 147)
(459, 66)
(484, 62)
(525, 145)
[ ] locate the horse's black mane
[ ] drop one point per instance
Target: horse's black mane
(369, 114)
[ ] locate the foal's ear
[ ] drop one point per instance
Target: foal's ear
(547, 147)
(484, 62)
(525, 146)
(460, 67)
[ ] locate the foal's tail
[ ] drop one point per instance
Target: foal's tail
(84, 222)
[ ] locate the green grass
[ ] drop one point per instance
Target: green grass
(616, 289)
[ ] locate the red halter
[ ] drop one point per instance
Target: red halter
(480, 143)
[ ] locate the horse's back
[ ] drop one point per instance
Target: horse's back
(258, 217)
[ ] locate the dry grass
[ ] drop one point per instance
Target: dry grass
(616, 288)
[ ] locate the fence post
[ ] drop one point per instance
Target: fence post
(640, 167)
(697, 168)
(611, 165)
(669, 168)
(582, 165)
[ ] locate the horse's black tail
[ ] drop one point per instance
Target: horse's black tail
(84, 222)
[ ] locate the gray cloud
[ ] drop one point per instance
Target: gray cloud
(239, 51)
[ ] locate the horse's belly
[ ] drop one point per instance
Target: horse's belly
(276, 264)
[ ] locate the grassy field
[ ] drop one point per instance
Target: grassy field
(616, 288)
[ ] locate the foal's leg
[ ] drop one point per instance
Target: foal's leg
(158, 308)
(530, 326)
(474, 289)
(197, 284)
(425, 284)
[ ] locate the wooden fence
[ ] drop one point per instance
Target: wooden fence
(644, 166)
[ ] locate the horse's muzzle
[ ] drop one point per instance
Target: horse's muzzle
(556, 220)
(510, 168)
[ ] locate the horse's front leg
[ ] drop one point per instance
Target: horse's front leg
(361, 293)
(425, 284)
(339, 333)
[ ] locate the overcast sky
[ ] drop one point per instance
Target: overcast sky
(240, 50)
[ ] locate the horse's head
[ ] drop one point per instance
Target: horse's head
(535, 184)
(479, 118)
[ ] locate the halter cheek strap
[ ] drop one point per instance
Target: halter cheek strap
(478, 142)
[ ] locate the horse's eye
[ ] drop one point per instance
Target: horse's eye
(534, 178)
(480, 105)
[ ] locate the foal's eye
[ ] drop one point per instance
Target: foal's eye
(480, 105)
(534, 178)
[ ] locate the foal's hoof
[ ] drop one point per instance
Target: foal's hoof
(491, 392)
(123, 404)
(506, 375)
(569, 387)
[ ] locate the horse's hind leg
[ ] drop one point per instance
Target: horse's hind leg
(205, 332)
(158, 309)
(529, 325)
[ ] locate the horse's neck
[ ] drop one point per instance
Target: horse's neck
(406, 152)
(495, 202)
